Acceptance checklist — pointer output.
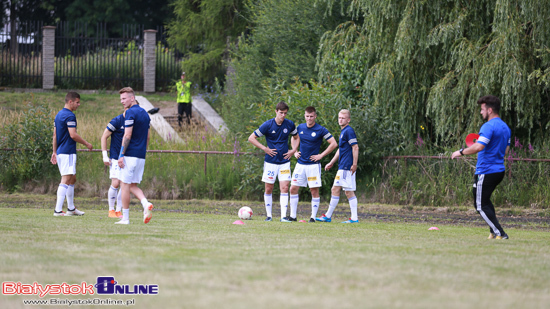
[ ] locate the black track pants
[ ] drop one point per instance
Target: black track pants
(184, 107)
(484, 185)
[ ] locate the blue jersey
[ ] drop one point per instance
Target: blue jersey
(64, 120)
(347, 139)
(495, 136)
(311, 140)
(276, 137)
(138, 119)
(116, 126)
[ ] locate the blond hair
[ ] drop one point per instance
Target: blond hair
(127, 90)
(345, 111)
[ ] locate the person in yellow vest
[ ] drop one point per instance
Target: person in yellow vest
(184, 99)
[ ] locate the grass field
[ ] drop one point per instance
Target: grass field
(200, 260)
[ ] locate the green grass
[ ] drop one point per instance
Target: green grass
(200, 260)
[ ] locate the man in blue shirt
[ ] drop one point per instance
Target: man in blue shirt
(277, 156)
(64, 154)
(131, 159)
(347, 156)
(115, 130)
(493, 144)
(307, 171)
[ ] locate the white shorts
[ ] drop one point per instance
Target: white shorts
(345, 179)
(307, 175)
(114, 170)
(272, 171)
(132, 172)
(66, 164)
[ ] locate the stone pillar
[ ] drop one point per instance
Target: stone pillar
(149, 60)
(48, 57)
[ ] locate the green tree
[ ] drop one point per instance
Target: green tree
(203, 31)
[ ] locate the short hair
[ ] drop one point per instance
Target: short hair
(281, 106)
(311, 109)
(345, 111)
(490, 101)
(71, 96)
(127, 90)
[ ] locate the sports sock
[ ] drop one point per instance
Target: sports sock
(283, 199)
(119, 200)
(315, 206)
(294, 205)
(333, 203)
(70, 197)
(126, 214)
(268, 200)
(145, 203)
(61, 192)
(111, 197)
(353, 207)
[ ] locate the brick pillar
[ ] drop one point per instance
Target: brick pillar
(48, 57)
(149, 60)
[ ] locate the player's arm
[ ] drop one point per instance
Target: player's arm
(77, 138)
(334, 159)
(125, 142)
(332, 145)
(54, 147)
(148, 137)
(355, 152)
(475, 148)
(253, 139)
(294, 143)
(507, 150)
(106, 134)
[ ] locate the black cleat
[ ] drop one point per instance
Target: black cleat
(289, 218)
(311, 220)
(268, 219)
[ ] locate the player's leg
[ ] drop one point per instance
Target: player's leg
(484, 187)
(61, 194)
(67, 168)
(298, 180)
(181, 108)
(313, 177)
(125, 199)
(349, 186)
(268, 177)
(137, 192)
(315, 201)
(188, 111)
(112, 193)
(334, 198)
(285, 176)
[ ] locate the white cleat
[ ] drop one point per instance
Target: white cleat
(123, 222)
(148, 214)
(74, 212)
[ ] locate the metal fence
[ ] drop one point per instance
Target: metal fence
(86, 57)
(21, 55)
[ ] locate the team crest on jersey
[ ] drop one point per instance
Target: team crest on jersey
(313, 134)
(285, 131)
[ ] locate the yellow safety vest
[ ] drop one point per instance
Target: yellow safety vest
(184, 92)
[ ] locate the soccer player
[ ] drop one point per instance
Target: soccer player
(307, 171)
(347, 156)
(115, 130)
(277, 156)
(491, 147)
(131, 159)
(64, 154)
(184, 99)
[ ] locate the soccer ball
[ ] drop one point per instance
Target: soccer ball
(245, 213)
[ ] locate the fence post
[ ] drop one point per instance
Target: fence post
(48, 57)
(149, 60)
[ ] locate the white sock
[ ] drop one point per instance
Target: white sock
(145, 203)
(111, 197)
(126, 214)
(353, 207)
(268, 200)
(333, 203)
(61, 192)
(119, 200)
(70, 197)
(315, 206)
(294, 205)
(283, 199)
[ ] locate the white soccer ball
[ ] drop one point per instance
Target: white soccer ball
(245, 213)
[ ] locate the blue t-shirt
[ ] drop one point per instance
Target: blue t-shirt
(347, 139)
(138, 119)
(495, 135)
(276, 137)
(310, 141)
(64, 120)
(116, 126)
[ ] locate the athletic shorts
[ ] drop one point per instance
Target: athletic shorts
(66, 164)
(307, 175)
(114, 169)
(345, 179)
(272, 171)
(132, 172)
